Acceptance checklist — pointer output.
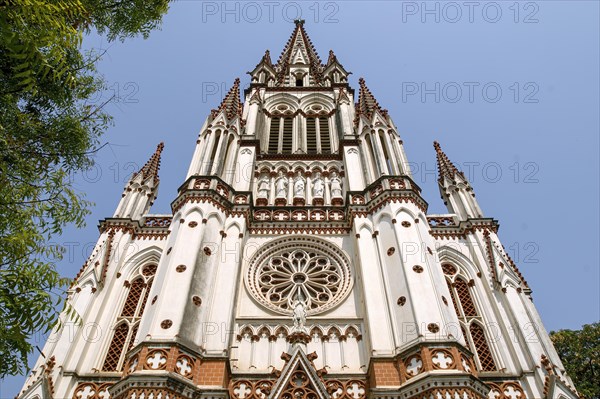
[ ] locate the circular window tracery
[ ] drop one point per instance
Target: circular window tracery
(305, 270)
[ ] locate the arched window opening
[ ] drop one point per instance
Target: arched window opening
(482, 348)
(464, 296)
(324, 135)
(373, 160)
(274, 135)
(468, 315)
(386, 155)
(288, 136)
(133, 298)
(311, 136)
(281, 135)
(129, 318)
(116, 347)
(229, 164)
(299, 82)
(211, 161)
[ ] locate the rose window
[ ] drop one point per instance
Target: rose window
(291, 271)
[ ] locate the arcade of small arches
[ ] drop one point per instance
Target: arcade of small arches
(299, 184)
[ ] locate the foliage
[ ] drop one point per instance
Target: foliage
(49, 128)
(580, 353)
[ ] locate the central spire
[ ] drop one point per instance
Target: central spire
(299, 51)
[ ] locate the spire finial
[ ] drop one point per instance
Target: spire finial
(299, 22)
(445, 166)
(150, 169)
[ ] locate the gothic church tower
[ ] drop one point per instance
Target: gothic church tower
(299, 262)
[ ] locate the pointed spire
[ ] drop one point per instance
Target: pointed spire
(299, 39)
(445, 166)
(150, 169)
(231, 104)
(286, 54)
(367, 104)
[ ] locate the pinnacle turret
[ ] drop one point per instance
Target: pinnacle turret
(150, 169)
(367, 104)
(455, 189)
(231, 104)
(445, 167)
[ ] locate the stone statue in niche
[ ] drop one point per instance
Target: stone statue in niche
(263, 187)
(281, 185)
(318, 187)
(299, 185)
(299, 316)
(336, 186)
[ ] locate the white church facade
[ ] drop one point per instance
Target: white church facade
(299, 262)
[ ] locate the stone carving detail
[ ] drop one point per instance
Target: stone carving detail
(506, 390)
(351, 389)
(281, 185)
(414, 365)
(336, 186)
(299, 271)
(299, 186)
(156, 360)
(299, 387)
(263, 187)
(247, 389)
(91, 390)
(300, 315)
(184, 366)
(157, 221)
(442, 359)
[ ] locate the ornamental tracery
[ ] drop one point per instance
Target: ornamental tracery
(299, 270)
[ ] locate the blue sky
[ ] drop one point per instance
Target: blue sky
(511, 91)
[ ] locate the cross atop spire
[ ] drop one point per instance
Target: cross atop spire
(367, 104)
(150, 169)
(445, 167)
(231, 104)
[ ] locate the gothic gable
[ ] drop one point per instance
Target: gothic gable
(299, 379)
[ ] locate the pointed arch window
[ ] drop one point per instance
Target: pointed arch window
(215, 145)
(386, 154)
(469, 317)
(129, 318)
(372, 160)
